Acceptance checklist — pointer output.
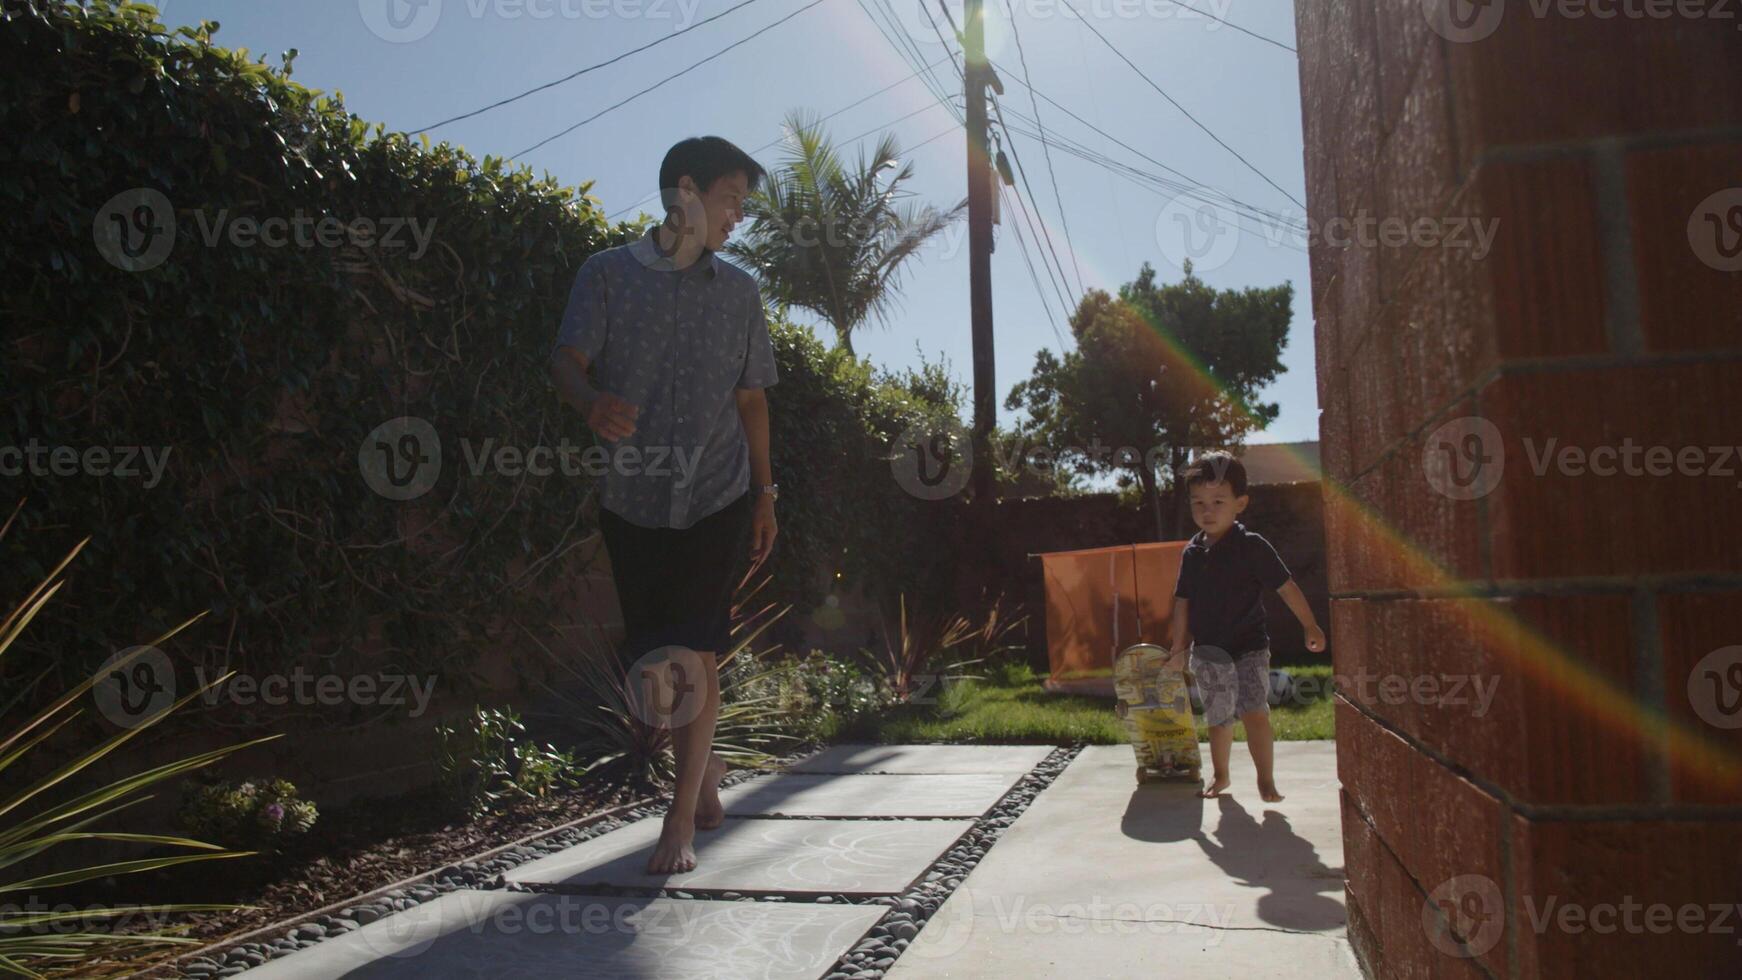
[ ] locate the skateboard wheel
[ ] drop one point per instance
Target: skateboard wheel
(1142, 774)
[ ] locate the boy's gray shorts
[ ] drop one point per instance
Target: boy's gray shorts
(1232, 689)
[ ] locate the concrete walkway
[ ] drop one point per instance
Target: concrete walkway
(1093, 864)
(1103, 878)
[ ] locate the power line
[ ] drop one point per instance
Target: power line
(1191, 181)
(583, 71)
(1058, 198)
(777, 139)
(1183, 110)
(752, 36)
(1206, 13)
(1044, 232)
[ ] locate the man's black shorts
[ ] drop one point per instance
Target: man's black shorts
(674, 585)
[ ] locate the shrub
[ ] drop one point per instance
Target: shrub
(487, 761)
(261, 815)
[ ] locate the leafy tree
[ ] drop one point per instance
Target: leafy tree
(1157, 372)
(830, 239)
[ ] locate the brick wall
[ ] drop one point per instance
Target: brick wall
(1547, 829)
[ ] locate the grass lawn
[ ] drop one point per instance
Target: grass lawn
(1009, 705)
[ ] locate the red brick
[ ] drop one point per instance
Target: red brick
(1693, 626)
(1383, 780)
(1590, 864)
(1417, 175)
(1405, 41)
(1546, 267)
(1533, 531)
(1348, 638)
(1574, 749)
(1684, 303)
(1361, 855)
(1358, 278)
(1552, 79)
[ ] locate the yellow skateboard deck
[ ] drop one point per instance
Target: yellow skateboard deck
(1158, 714)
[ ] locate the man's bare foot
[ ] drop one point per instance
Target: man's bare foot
(1216, 789)
(1269, 793)
(710, 813)
(674, 853)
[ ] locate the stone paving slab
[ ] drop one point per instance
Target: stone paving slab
(1103, 877)
(869, 795)
(880, 856)
(925, 758)
(472, 934)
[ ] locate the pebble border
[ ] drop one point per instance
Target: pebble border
(870, 958)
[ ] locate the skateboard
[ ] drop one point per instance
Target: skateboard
(1157, 714)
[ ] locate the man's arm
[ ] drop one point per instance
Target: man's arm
(1297, 604)
(753, 412)
(611, 417)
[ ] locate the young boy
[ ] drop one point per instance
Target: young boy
(1218, 614)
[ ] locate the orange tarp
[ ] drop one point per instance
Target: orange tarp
(1102, 600)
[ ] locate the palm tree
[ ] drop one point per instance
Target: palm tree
(832, 240)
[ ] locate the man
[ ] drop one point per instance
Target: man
(676, 339)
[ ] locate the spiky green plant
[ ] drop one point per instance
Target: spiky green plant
(596, 698)
(36, 943)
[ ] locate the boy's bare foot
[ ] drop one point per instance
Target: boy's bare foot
(710, 813)
(1269, 793)
(674, 853)
(1216, 789)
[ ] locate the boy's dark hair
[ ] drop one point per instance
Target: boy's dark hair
(1217, 467)
(704, 159)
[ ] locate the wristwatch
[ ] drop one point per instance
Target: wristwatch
(771, 489)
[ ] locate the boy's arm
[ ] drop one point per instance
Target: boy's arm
(1297, 604)
(1180, 639)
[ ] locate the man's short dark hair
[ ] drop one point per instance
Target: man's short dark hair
(1217, 467)
(704, 159)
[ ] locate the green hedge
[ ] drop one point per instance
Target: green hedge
(261, 370)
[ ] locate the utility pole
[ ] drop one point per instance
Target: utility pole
(976, 75)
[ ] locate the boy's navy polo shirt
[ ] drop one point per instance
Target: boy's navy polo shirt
(1224, 585)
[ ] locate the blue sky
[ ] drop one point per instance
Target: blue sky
(452, 56)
